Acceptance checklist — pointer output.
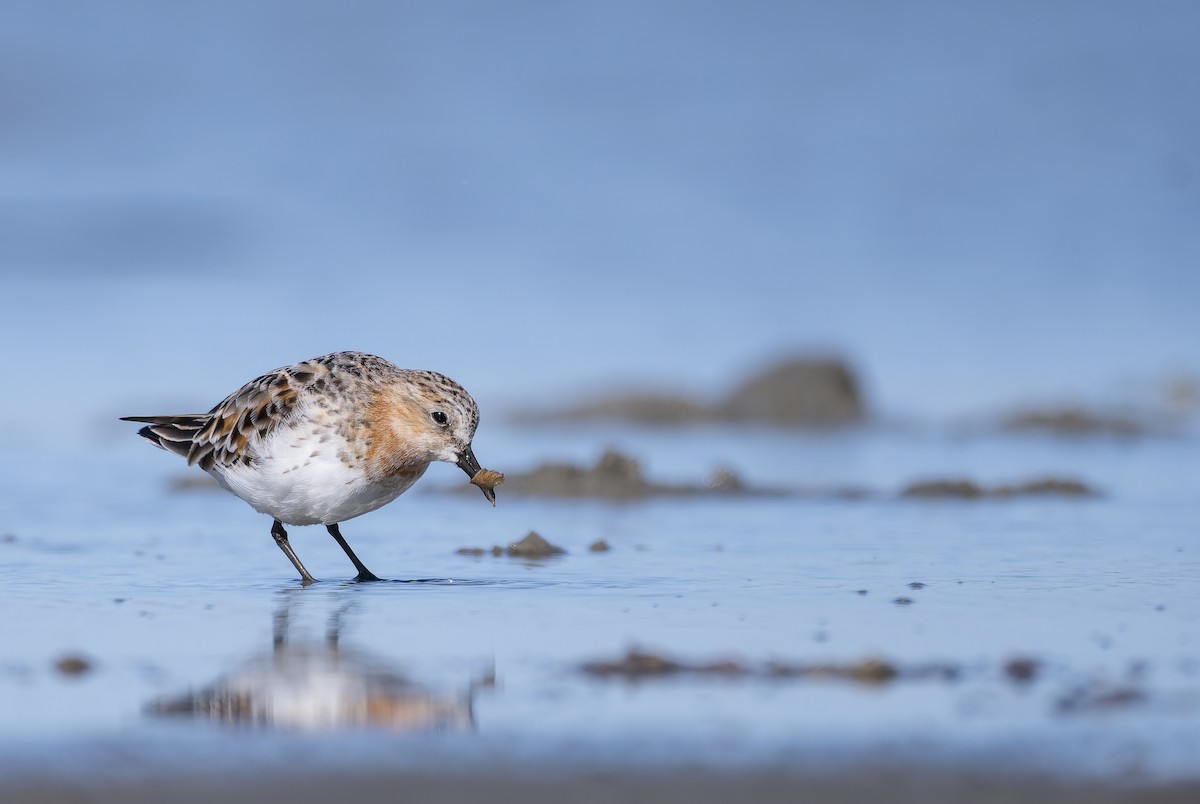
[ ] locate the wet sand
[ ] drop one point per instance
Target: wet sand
(529, 786)
(822, 618)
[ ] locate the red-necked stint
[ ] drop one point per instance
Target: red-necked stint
(327, 440)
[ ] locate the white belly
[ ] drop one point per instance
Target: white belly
(302, 480)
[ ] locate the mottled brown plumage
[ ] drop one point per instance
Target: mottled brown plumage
(327, 439)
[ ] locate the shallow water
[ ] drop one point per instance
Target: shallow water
(170, 594)
(546, 202)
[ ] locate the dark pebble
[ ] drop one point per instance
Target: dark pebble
(73, 665)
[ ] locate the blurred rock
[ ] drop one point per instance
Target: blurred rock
(599, 546)
(1099, 696)
(800, 392)
(1021, 669)
(962, 489)
(796, 392)
(634, 664)
(73, 666)
(1048, 486)
(618, 477)
(868, 671)
(725, 479)
(534, 546)
(614, 476)
(638, 664)
(1073, 421)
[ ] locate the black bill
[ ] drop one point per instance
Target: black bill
(470, 464)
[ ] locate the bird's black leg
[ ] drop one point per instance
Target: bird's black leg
(364, 574)
(281, 539)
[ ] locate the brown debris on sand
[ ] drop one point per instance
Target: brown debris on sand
(794, 392)
(1097, 696)
(638, 664)
(619, 477)
(532, 546)
(964, 489)
(73, 666)
(1021, 669)
(1074, 422)
(960, 489)
(1054, 486)
(868, 671)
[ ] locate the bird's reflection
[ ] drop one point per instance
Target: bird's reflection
(322, 684)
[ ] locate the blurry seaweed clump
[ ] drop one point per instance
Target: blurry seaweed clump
(794, 392)
(1074, 422)
(619, 477)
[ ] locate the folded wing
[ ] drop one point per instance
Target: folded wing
(223, 436)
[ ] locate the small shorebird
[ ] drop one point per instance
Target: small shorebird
(327, 440)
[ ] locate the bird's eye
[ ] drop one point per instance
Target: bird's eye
(439, 418)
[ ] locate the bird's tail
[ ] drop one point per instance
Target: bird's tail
(172, 433)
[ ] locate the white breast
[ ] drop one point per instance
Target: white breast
(306, 475)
